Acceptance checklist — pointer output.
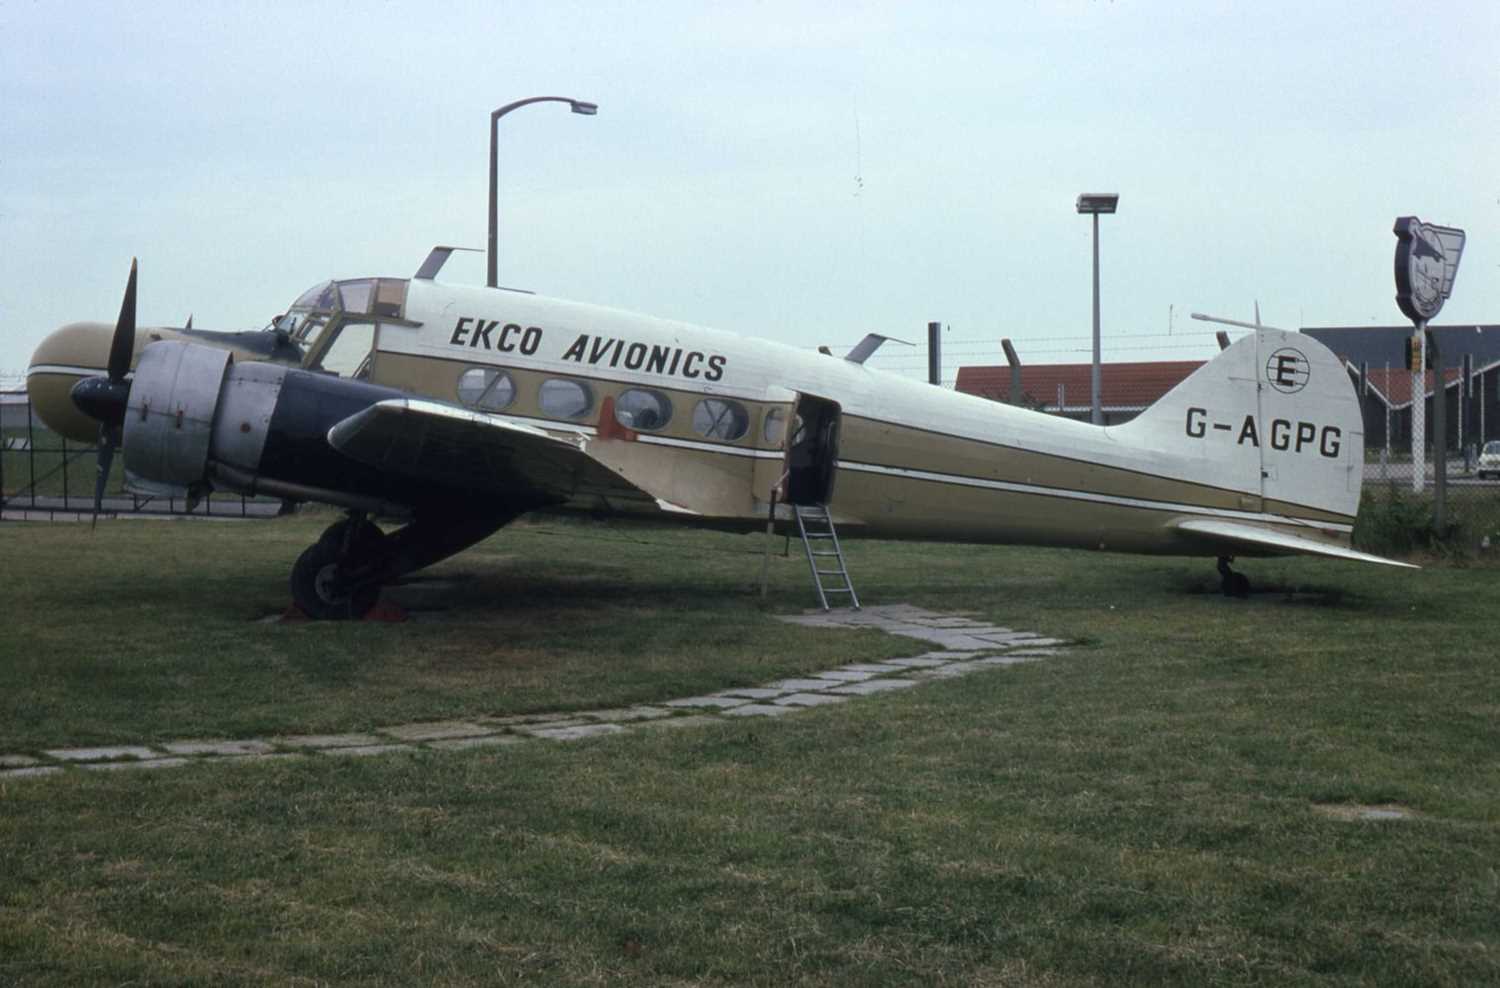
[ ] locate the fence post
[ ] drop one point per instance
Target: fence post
(1439, 438)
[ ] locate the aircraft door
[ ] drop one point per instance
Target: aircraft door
(812, 451)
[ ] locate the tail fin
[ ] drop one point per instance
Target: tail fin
(1274, 417)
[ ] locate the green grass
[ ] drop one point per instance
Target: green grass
(1139, 811)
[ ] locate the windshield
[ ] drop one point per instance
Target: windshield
(1492, 448)
(353, 300)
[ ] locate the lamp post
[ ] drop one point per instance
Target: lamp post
(1095, 203)
(577, 105)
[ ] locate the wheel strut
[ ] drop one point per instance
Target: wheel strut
(1233, 584)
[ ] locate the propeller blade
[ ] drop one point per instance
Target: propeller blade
(122, 346)
(106, 458)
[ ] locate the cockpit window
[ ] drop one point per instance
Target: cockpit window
(335, 323)
(350, 350)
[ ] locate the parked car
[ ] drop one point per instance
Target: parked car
(1489, 460)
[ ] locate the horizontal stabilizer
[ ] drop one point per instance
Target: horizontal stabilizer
(1236, 536)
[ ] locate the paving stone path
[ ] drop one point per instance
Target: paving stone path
(964, 646)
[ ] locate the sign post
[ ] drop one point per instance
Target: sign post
(1426, 263)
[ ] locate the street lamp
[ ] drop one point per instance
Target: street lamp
(577, 105)
(1095, 203)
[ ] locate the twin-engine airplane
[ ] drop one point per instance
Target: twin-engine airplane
(454, 410)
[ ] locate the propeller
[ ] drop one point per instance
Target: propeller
(104, 398)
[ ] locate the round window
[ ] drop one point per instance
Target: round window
(775, 427)
(486, 388)
(644, 410)
(564, 399)
(719, 418)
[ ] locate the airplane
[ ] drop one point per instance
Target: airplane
(451, 410)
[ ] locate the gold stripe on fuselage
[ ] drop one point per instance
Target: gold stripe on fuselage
(895, 480)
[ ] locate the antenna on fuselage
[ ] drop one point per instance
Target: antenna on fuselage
(436, 258)
(865, 347)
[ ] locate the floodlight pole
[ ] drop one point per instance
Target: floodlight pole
(578, 106)
(1094, 204)
(1096, 408)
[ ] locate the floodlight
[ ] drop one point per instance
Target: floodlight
(1098, 202)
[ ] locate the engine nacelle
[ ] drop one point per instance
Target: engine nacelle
(195, 419)
(189, 404)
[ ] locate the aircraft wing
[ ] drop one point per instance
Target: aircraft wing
(479, 452)
(1236, 535)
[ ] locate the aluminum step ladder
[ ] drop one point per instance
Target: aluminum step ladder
(824, 555)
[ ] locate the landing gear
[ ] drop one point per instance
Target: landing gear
(339, 576)
(1233, 584)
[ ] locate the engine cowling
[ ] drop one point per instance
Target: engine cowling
(189, 404)
(195, 419)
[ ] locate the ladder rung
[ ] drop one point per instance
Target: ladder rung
(837, 590)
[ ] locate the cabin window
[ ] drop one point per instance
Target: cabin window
(486, 388)
(349, 352)
(775, 427)
(641, 409)
(719, 418)
(564, 399)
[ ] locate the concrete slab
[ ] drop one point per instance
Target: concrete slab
(512, 720)
(801, 685)
(929, 661)
(227, 748)
(875, 686)
(329, 740)
(574, 733)
(697, 720)
(846, 676)
(878, 668)
(102, 753)
(359, 751)
(18, 761)
(1036, 653)
(959, 642)
(809, 700)
(624, 714)
(1007, 660)
(150, 763)
(716, 702)
(486, 741)
(1045, 642)
(908, 630)
(760, 710)
(752, 693)
(28, 773)
(951, 671)
(436, 730)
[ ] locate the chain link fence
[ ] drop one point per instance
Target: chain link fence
(44, 476)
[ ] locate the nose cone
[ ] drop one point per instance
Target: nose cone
(72, 353)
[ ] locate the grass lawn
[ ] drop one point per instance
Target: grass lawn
(1143, 810)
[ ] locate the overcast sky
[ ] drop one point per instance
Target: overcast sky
(802, 172)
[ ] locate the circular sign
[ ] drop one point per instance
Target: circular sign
(1287, 370)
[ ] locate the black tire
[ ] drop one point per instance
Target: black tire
(314, 587)
(1236, 585)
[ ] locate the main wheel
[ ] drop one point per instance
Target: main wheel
(1236, 584)
(317, 587)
